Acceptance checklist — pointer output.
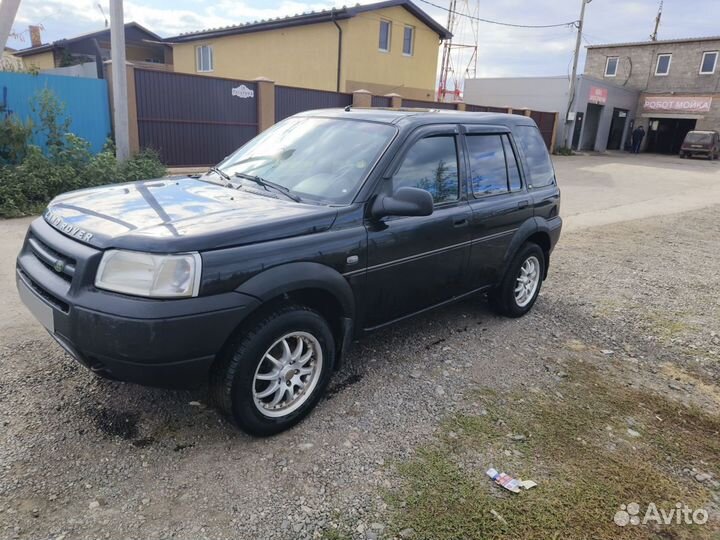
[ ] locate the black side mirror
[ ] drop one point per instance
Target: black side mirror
(406, 201)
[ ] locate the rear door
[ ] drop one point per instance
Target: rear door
(498, 198)
(417, 262)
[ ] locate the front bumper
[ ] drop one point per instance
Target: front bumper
(169, 343)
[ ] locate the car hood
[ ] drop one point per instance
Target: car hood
(181, 214)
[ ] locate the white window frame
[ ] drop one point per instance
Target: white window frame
(702, 62)
(412, 40)
(198, 59)
(389, 36)
(657, 64)
(607, 63)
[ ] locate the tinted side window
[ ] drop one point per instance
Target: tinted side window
(540, 167)
(513, 169)
(487, 164)
(431, 164)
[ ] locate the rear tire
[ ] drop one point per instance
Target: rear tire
(517, 292)
(289, 352)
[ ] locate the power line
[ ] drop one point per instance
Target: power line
(570, 23)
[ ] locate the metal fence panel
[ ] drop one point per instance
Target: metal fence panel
(85, 100)
(416, 103)
(546, 123)
(475, 108)
(290, 100)
(193, 119)
(381, 101)
(484, 108)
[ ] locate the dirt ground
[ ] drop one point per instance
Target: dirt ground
(626, 329)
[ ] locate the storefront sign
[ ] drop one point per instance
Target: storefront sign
(598, 95)
(677, 104)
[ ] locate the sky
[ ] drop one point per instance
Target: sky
(502, 51)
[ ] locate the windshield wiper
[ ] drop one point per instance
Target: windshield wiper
(222, 174)
(267, 183)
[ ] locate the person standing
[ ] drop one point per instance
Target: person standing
(637, 136)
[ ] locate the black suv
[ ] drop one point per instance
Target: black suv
(258, 274)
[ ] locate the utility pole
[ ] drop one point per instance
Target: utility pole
(653, 36)
(119, 80)
(573, 77)
(8, 11)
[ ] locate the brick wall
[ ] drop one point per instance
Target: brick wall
(636, 68)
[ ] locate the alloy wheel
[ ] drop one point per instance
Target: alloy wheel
(287, 374)
(527, 281)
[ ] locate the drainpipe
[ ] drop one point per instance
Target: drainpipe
(339, 54)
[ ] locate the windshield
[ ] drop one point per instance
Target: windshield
(698, 137)
(321, 159)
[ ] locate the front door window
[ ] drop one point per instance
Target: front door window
(431, 164)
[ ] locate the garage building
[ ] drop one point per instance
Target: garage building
(601, 113)
(678, 83)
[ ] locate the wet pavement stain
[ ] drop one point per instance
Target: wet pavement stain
(116, 423)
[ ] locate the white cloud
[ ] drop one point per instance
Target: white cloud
(501, 50)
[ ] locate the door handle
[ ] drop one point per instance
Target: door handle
(523, 204)
(460, 222)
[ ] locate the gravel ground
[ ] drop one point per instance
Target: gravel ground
(86, 458)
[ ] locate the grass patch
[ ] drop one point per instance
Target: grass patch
(667, 327)
(580, 452)
(334, 534)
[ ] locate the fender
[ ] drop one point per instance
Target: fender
(527, 229)
(300, 275)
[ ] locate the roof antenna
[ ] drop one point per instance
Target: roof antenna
(102, 11)
(653, 36)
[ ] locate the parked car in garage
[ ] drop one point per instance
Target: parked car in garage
(702, 143)
(257, 276)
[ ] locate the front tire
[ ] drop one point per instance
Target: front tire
(517, 292)
(275, 373)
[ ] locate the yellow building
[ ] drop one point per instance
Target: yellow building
(386, 47)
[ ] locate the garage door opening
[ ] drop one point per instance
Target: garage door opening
(617, 129)
(666, 135)
(592, 122)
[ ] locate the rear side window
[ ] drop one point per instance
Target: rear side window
(493, 165)
(540, 169)
(487, 164)
(431, 164)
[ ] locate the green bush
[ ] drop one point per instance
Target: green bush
(31, 176)
(564, 151)
(14, 140)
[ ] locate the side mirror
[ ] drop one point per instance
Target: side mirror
(406, 201)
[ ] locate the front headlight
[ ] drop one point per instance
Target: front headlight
(146, 274)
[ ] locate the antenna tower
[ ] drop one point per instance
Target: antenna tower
(460, 52)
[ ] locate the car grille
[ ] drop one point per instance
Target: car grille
(49, 297)
(61, 264)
